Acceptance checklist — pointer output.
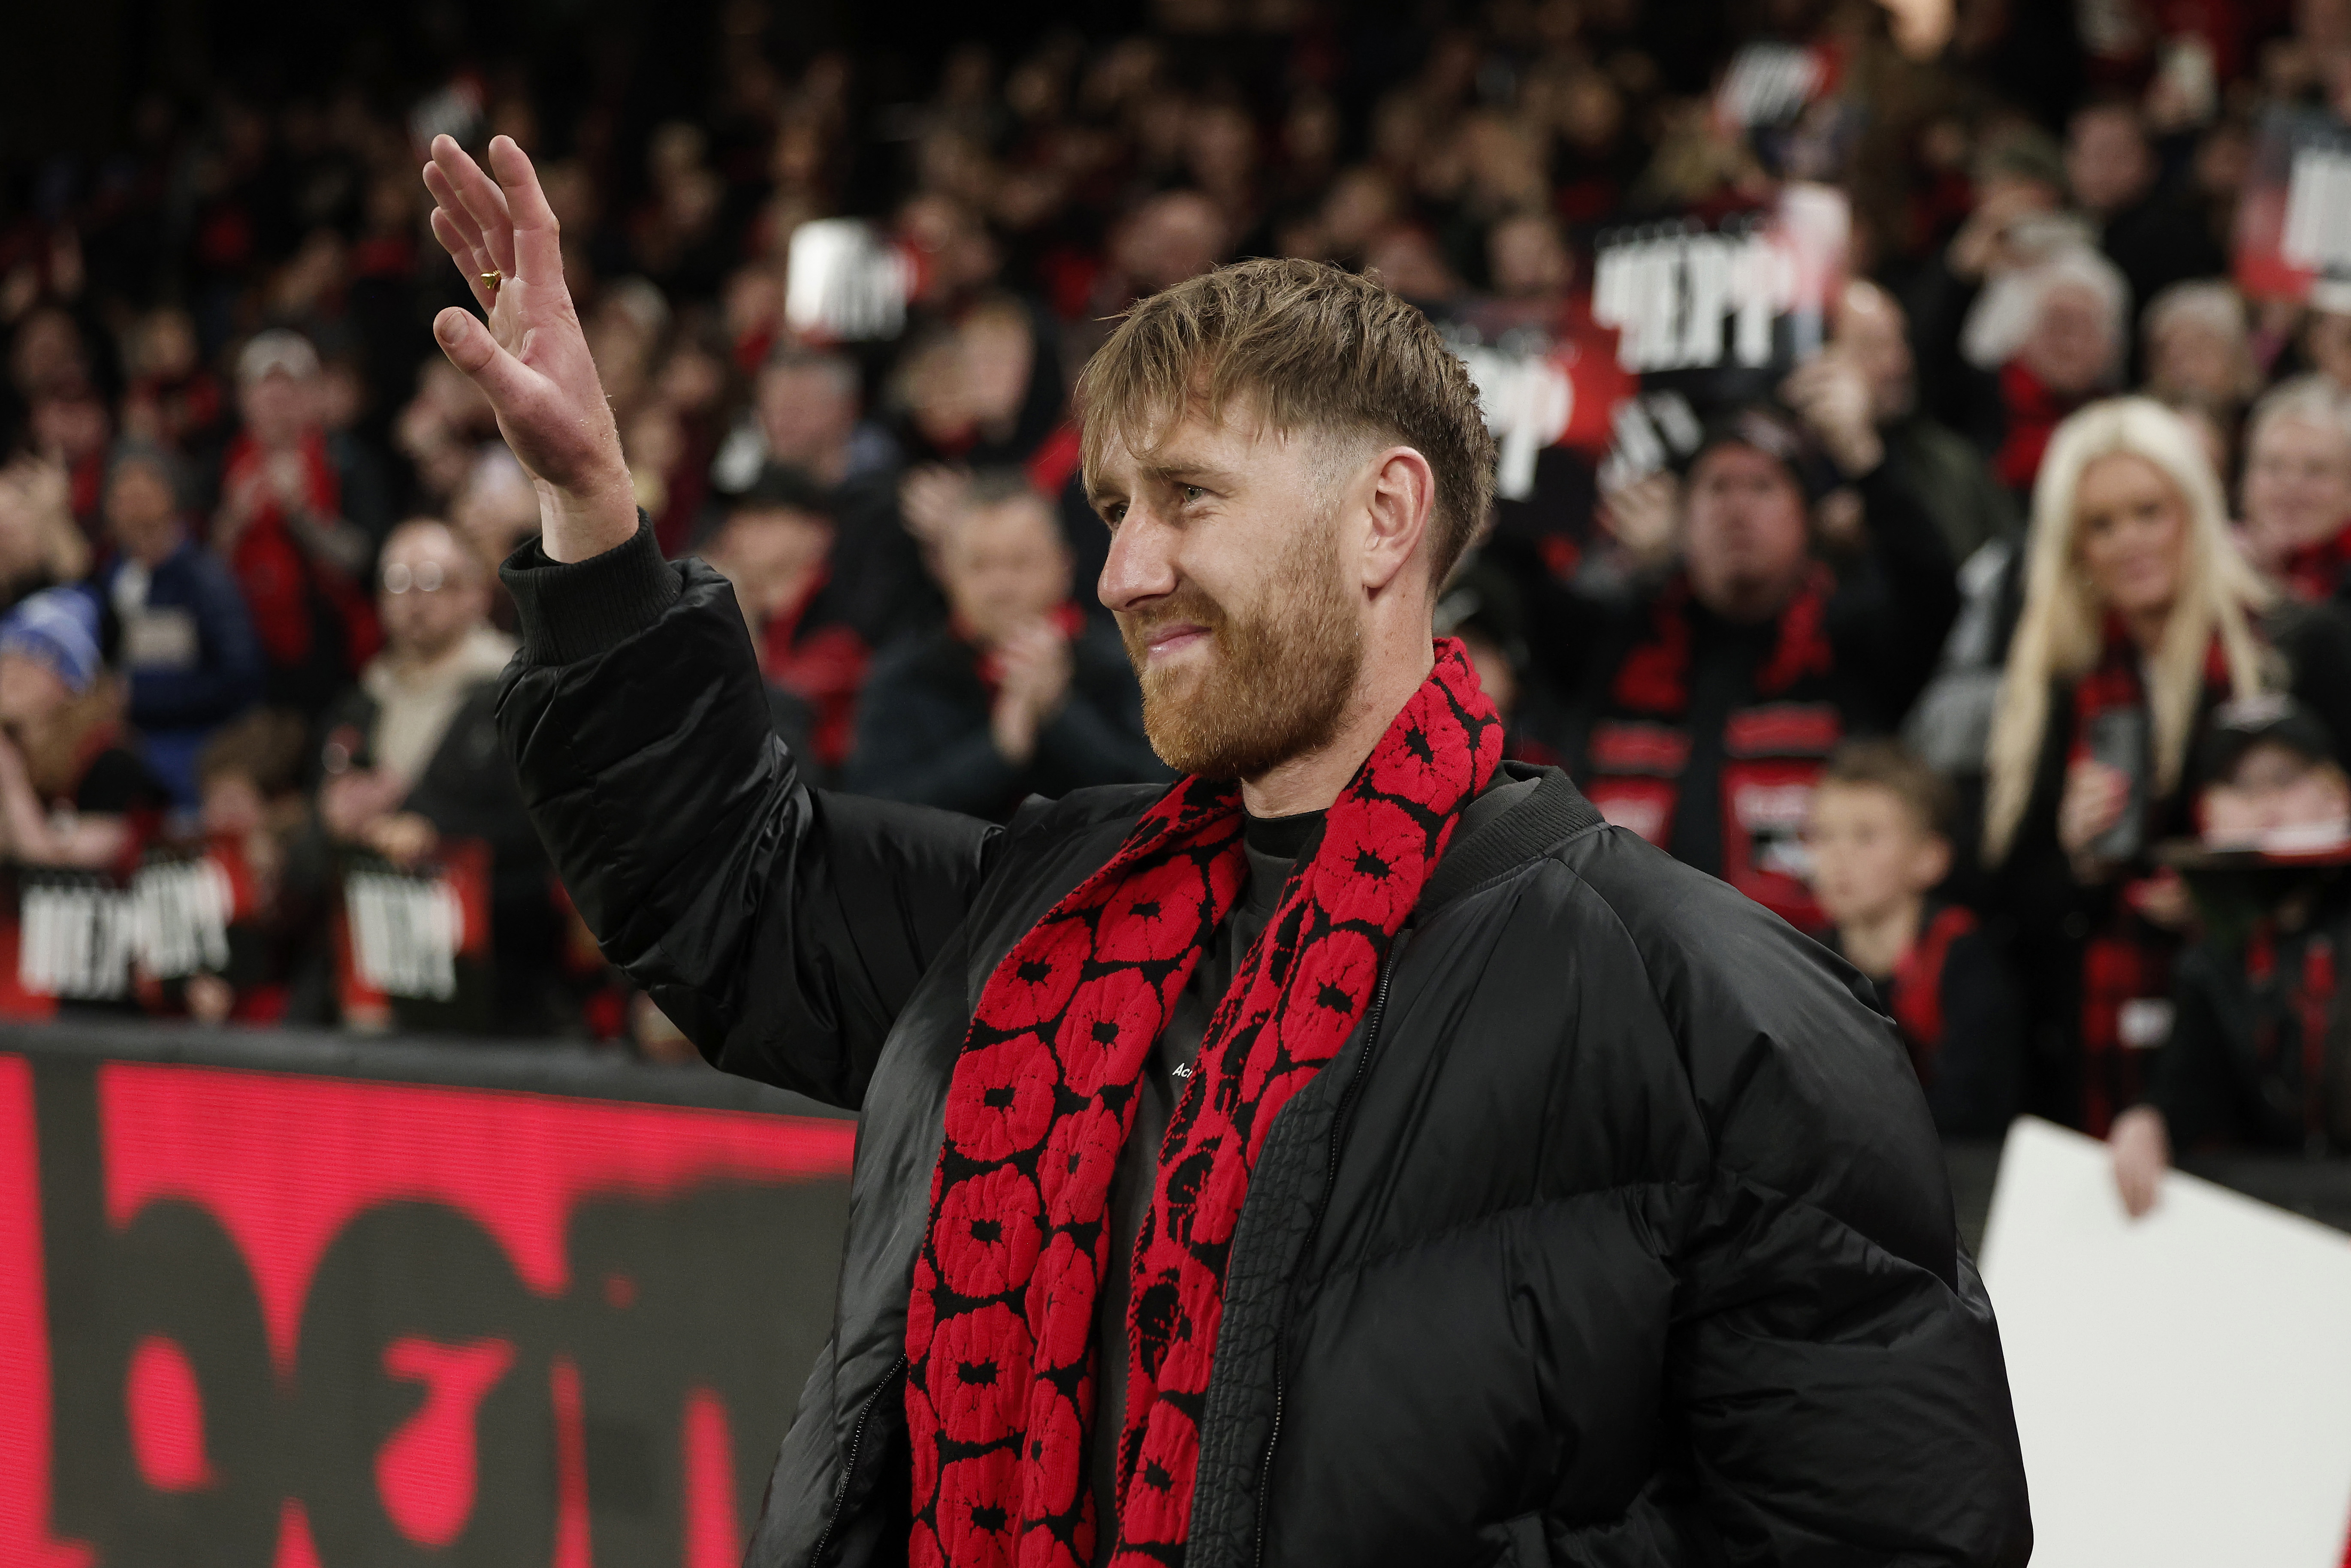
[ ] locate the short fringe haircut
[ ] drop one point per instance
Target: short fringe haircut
(1890, 766)
(1305, 346)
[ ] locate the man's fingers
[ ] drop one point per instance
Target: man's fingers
(481, 198)
(538, 240)
(469, 260)
(447, 201)
(504, 378)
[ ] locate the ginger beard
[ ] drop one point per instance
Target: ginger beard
(1280, 673)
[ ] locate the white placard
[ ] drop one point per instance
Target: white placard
(2182, 1382)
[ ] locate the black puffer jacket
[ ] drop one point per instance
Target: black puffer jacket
(1618, 1234)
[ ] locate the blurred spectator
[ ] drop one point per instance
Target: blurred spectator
(2138, 619)
(806, 409)
(2151, 233)
(173, 399)
(1482, 607)
(251, 815)
(774, 543)
(2327, 330)
(2198, 350)
(72, 792)
(2253, 1057)
(495, 510)
(1940, 467)
(281, 527)
(411, 759)
(2014, 222)
(1713, 700)
(188, 650)
(1877, 838)
(40, 546)
(2296, 532)
(1020, 694)
(70, 430)
(2297, 487)
(2055, 332)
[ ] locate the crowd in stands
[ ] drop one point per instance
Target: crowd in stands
(2002, 642)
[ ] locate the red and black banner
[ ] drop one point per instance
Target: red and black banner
(274, 1319)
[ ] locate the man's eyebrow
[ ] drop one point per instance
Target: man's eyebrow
(1183, 472)
(1176, 472)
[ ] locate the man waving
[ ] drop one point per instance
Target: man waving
(1356, 1153)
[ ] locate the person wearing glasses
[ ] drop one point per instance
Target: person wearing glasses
(410, 760)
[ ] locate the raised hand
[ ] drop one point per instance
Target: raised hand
(530, 358)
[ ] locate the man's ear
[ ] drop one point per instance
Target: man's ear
(1403, 498)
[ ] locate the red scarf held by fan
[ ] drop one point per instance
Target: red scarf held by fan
(999, 1332)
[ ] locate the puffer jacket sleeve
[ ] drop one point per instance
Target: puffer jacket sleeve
(780, 926)
(1834, 1364)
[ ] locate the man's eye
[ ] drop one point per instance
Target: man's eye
(1193, 492)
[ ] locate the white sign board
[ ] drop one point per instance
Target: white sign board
(2182, 1382)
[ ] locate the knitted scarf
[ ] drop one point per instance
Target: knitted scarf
(999, 1332)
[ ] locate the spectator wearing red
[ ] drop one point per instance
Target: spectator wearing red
(2296, 490)
(2296, 531)
(774, 544)
(2055, 332)
(2138, 620)
(1877, 841)
(281, 528)
(1713, 699)
(1020, 694)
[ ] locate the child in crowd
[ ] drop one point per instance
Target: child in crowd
(1877, 836)
(2254, 1055)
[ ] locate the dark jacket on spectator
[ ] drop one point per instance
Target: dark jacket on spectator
(923, 734)
(1944, 473)
(468, 792)
(1706, 736)
(1955, 1005)
(1624, 1238)
(190, 654)
(2256, 1055)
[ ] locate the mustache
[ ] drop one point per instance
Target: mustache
(1185, 604)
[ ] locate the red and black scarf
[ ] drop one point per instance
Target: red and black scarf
(2127, 959)
(1655, 677)
(2315, 574)
(999, 1332)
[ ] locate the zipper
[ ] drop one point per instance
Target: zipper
(856, 1447)
(1330, 1185)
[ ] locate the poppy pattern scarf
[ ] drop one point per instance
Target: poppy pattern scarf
(1000, 1334)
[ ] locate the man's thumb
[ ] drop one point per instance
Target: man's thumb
(471, 349)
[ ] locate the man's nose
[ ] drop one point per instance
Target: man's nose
(1141, 564)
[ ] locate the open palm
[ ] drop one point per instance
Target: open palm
(530, 357)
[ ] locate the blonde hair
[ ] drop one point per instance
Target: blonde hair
(1307, 346)
(2061, 632)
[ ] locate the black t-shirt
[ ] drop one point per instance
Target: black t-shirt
(1273, 844)
(116, 784)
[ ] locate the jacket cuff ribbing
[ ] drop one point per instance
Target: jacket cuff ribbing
(576, 609)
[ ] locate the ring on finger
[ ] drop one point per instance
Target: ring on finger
(491, 279)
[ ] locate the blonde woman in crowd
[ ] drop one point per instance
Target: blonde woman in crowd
(2140, 616)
